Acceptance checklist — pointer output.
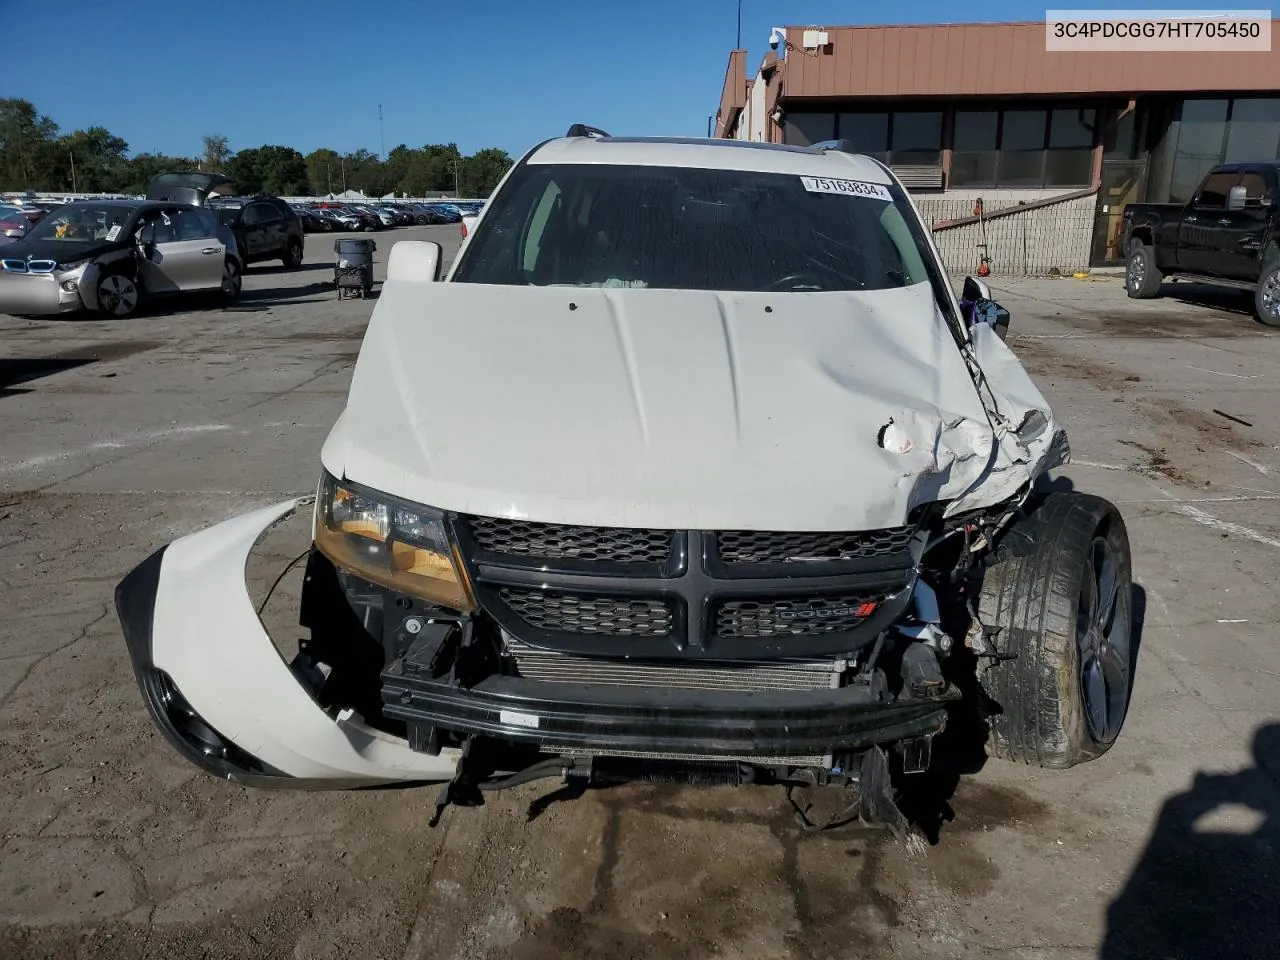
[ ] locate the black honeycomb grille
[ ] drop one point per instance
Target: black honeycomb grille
(804, 616)
(557, 541)
(603, 616)
(753, 546)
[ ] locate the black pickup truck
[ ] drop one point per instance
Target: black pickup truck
(1228, 234)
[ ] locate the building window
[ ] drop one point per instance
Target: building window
(1069, 159)
(805, 129)
(916, 139)
(1210, 132)
(898, 138)
(1200, 138)
(869, 133)
(973, 158)
(1023, 147)
(1253, 132)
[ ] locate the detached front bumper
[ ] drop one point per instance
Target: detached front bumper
(219, 690)
(38, 294)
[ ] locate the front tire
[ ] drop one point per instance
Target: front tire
(1142, 279)
(1058, 593)
(1266, 298)
(292, 258)
(232, 279)
(119, 295)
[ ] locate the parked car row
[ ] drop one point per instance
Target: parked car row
(17, 218)
(382, 215)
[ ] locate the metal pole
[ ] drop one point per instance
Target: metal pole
(455, 179)
(738, 44)
(382, 140)
(72, 155)
(343, 162)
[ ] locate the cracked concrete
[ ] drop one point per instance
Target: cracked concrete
(111, 846)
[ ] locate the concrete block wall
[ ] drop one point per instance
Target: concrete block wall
(1035, 243)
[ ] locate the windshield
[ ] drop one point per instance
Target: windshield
(83, 223)
(694, 229)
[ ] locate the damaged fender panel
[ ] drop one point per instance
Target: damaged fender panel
(1028, 441)
(978, 462)
(206, 636)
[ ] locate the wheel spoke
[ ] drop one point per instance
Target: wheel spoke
(1105, 570)
(1115, 664)
(1086, 608)
(1095, 697)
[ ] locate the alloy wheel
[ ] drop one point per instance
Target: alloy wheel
(1103, 638)
(118, 295)
(1137, 271)
(1271, 294)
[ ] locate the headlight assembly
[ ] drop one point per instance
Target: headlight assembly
(399, 545)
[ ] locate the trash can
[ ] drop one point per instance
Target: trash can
(353, 267)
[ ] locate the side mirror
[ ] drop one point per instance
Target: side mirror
(993, 315)
(414, 261)
(975, 289)
(1237, 197)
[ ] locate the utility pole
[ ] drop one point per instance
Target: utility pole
(328, 173)
(454, 161)
(382, 140)
(343, 162)
(72, 155)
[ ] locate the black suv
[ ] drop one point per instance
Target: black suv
(266, 228)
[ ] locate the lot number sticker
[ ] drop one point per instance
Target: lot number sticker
(513, 718)
(113, 232)
(856, 188)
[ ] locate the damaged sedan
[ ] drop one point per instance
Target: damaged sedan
(694, 466)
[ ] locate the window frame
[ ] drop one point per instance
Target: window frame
(998, 152)
(1230, 179)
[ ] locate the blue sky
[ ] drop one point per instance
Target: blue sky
(311, 73)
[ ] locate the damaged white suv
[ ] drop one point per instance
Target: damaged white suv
(695, 466)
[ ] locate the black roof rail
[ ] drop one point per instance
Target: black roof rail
(582, 130)
(844, 146)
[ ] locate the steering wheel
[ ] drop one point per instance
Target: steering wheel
(793, 280)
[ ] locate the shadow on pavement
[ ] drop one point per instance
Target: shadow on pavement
(1212, 890)
(279, 296)
(270, 267)
(1227, 299)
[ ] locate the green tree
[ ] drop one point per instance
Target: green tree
(217, 153)
(366, 173)
(26, 146)
(143, 166)
(481, 171)
(324, 172)
(269, 169)
(89, 161)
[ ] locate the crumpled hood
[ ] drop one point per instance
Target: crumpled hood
(678, 409)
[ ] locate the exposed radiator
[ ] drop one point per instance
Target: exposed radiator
(556, 667)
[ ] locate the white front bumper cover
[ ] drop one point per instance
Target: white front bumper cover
(219, 690)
